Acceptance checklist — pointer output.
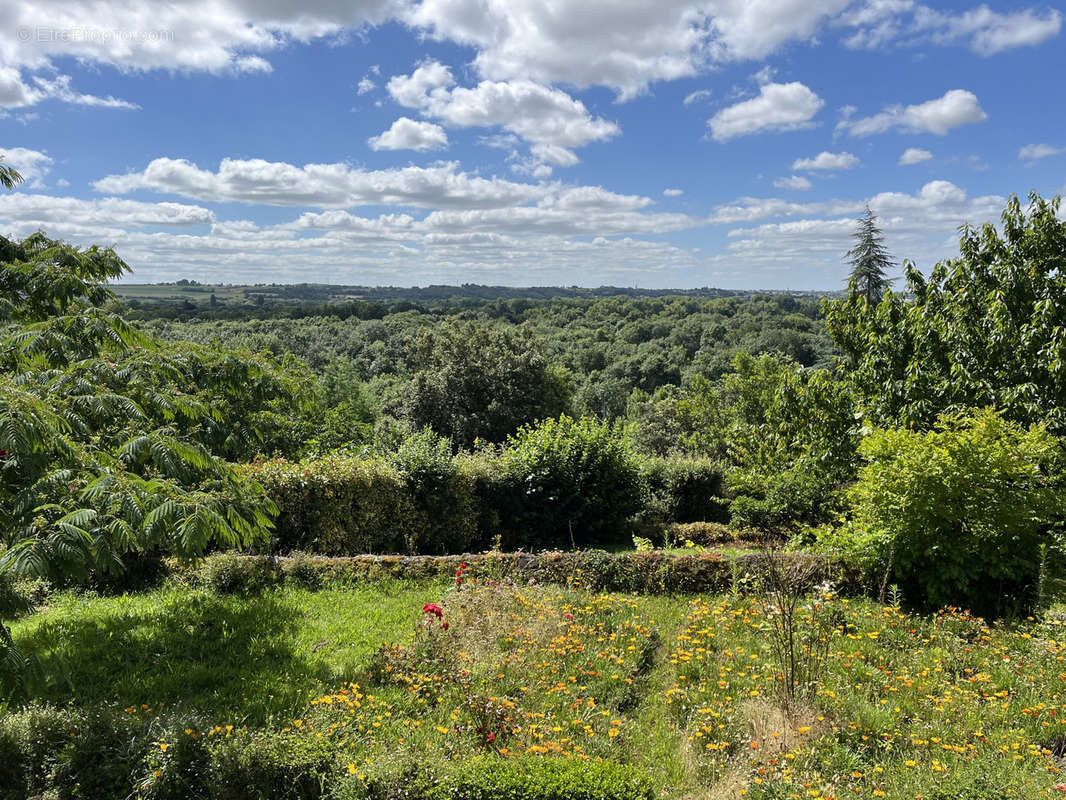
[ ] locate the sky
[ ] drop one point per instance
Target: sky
(666, 144)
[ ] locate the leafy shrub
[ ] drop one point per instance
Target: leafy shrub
(299, 568)
(20, 596)
(229, 573)
(778, 501)
(579, 480)
(31, 743)
(101, 762)
(686, 489)
(707, 534)
(259, 765)
(178, 768)
(958, 514)
(443, 499)
(547, 779)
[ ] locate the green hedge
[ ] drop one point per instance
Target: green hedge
(594, 570)
(686, 489)
(566, 483)
(62, 753)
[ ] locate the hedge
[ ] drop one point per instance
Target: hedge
(593, 570)
(545, 494)
(52, 752)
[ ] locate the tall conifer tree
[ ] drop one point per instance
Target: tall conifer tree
(869, 260)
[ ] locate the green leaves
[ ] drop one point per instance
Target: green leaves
(959, 513)
(986, 329)
(109, 442)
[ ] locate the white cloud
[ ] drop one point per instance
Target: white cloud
(914, 155)
(673, 192)
(16, 93)
(882, 23)
(216, 36)
(796, 182)
(321, 185)
(625, 48)
(990, 32)
(407, 134)
(1034, 152)
(365, 85)
(32, 165)
(809, 251)
(956, 108)
(549, 119)
(44, 210)
(826, 161)
(779, 107)
(697, 96)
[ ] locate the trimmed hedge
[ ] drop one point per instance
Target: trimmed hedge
(556, 487)
(594, 570)
(62, 753)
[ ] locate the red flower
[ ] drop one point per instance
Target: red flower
(491, 737)
(568, 615)
(433, 608)
(445, 624)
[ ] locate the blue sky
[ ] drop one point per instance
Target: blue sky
(409, 142)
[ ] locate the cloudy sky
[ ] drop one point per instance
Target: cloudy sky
(672, 143)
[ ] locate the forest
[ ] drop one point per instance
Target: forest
(774, 544)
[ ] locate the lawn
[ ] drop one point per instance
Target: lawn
(684, 690)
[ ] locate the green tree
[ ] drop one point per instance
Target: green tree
(9, 177)
(109, 441)
(869, 260)
(473, 383)
(987, 328)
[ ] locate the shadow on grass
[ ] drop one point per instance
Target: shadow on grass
(231, 658)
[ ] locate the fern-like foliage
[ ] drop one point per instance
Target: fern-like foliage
(110, 441)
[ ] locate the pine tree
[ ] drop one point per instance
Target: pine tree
(869, 260)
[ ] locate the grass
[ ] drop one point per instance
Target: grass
(686, 689)
(237, 658)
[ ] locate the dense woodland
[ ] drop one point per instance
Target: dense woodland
(908, 435)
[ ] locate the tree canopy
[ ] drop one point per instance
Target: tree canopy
(987, 328)
(111, 442)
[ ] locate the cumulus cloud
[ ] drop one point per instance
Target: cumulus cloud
(322, 185)
(673, 192)
(956, 108)
(914, 155)
(32, 165)
(796, 182)
(216, 36)
(407, 134)
(697, 96)
(779, 107)
(1035, 152)
(826, 161)
(549, 119)
(632, 46)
